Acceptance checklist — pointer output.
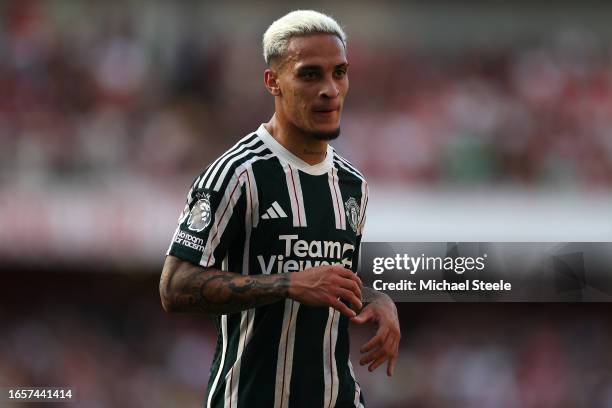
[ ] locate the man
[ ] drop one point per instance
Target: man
(269, 236)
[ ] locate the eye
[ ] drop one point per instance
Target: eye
(340, 73)
(309, 75)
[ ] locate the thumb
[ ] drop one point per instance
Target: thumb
(364, 316)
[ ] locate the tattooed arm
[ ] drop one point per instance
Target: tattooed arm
(185, 287)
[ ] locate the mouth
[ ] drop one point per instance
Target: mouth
(325, 111)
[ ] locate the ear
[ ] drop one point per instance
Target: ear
(271, 82)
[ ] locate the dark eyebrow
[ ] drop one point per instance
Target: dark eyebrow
(309, 68)
(318, 67)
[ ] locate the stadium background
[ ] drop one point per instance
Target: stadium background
(484, 121)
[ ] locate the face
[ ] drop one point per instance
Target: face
(312, 83)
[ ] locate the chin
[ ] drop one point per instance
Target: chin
(326, 134)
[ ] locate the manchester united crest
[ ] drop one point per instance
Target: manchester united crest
(352, 212)
(200, 215)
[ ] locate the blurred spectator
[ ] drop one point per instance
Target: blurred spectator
(124, 351)
(91, 90)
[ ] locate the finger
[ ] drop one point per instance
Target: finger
(363, 317)
(350, 285)
(373, 356)
(378, 362)
(373, 343)
(342, 308)
(350, 297)
(392, 361)
(347, 273)
(377, 340)
(356, 278)
(387, 352)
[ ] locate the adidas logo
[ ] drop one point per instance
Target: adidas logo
(275, 211)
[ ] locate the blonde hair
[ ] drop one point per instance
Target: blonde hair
(296, 24)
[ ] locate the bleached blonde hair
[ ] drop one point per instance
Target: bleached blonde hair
(296, 24)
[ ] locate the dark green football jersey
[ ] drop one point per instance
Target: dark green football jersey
(259, 209)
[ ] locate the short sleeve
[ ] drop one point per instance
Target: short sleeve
(209, 223)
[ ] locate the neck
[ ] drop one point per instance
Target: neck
(301, 144)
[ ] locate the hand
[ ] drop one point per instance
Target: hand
(385, 343)
(327, 285)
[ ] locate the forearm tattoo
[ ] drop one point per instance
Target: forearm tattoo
(220, 292)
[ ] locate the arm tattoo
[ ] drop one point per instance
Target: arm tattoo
(194, 289)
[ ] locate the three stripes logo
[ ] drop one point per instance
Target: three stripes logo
(275, 211)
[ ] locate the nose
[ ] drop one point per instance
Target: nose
(330, 89)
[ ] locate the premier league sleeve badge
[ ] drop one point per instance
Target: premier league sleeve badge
(200, 214)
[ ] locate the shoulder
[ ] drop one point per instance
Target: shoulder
(218, 174)
(349, 170)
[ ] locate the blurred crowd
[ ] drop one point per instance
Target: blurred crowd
(125, 351)
(128, 360)
(91, 91)
(138, 91)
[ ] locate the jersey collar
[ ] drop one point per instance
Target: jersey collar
(285, 155)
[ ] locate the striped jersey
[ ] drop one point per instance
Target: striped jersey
(259, 209)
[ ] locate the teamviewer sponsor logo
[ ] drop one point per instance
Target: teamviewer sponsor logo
(300, 254)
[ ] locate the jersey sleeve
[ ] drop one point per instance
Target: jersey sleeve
(209, 223)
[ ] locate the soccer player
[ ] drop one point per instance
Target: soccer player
(269, 240)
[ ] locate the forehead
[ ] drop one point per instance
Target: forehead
(317, 49)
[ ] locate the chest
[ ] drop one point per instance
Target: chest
(304, 220)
